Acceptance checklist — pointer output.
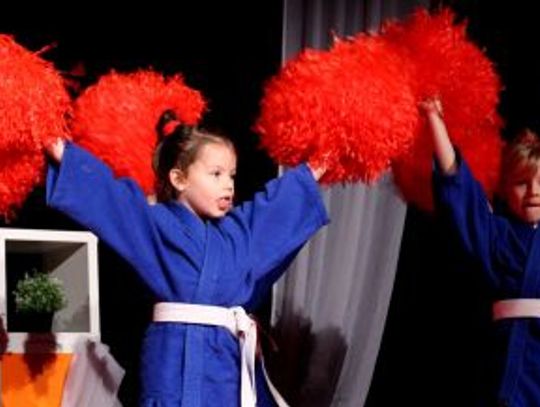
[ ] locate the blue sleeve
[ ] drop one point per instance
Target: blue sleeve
(277, 222)
(116, 210)
(462, 201)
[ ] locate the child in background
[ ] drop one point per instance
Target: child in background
(205, 261)
(505, 245)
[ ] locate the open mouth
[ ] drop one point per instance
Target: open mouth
(532, 205)
(225, 203)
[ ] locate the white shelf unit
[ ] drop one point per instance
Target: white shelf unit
(69, 256)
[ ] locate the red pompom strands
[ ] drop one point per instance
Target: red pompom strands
(483, 152)
(116, 119)
(451, 67)
(350, 109)
(481, 147)
(448, 65)
(354, 108)
(34, 110)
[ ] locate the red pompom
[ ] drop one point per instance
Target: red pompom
(35, 106)
(21, 170)
(116, 119)
(448, 65)
(350, 109)
(481, 147)
(451, 67)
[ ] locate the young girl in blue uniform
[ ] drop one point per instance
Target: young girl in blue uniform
(206, 262)
(506, 246)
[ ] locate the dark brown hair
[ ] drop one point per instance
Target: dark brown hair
(179, 149)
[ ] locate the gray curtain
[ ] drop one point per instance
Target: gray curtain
(330, 308)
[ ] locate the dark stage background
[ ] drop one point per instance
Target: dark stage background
(434, 349)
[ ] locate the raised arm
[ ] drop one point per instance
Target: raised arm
(444, 151)
(82, 187)
(278, 220)
(461, 198)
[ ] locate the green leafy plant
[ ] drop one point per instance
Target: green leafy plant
(39, 293)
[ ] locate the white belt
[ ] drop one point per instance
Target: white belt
(239, 324)
(516, 308)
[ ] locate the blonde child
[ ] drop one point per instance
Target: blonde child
(506, 246)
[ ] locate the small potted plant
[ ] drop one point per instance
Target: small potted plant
(37, 298)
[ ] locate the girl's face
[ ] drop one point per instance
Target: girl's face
(523, 194)
(208, 187)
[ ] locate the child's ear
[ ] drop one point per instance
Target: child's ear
(177, 179)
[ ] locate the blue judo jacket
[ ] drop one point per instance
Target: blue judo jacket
(181, 258)
(508, 253)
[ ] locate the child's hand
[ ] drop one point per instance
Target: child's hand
(55, 149)
(443, 148)
(319, 166)
(431, 106)
(317, 172)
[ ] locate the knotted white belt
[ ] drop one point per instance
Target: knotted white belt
(239, 324)
(516, 308)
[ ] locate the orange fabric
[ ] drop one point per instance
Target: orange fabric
(33, 380)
